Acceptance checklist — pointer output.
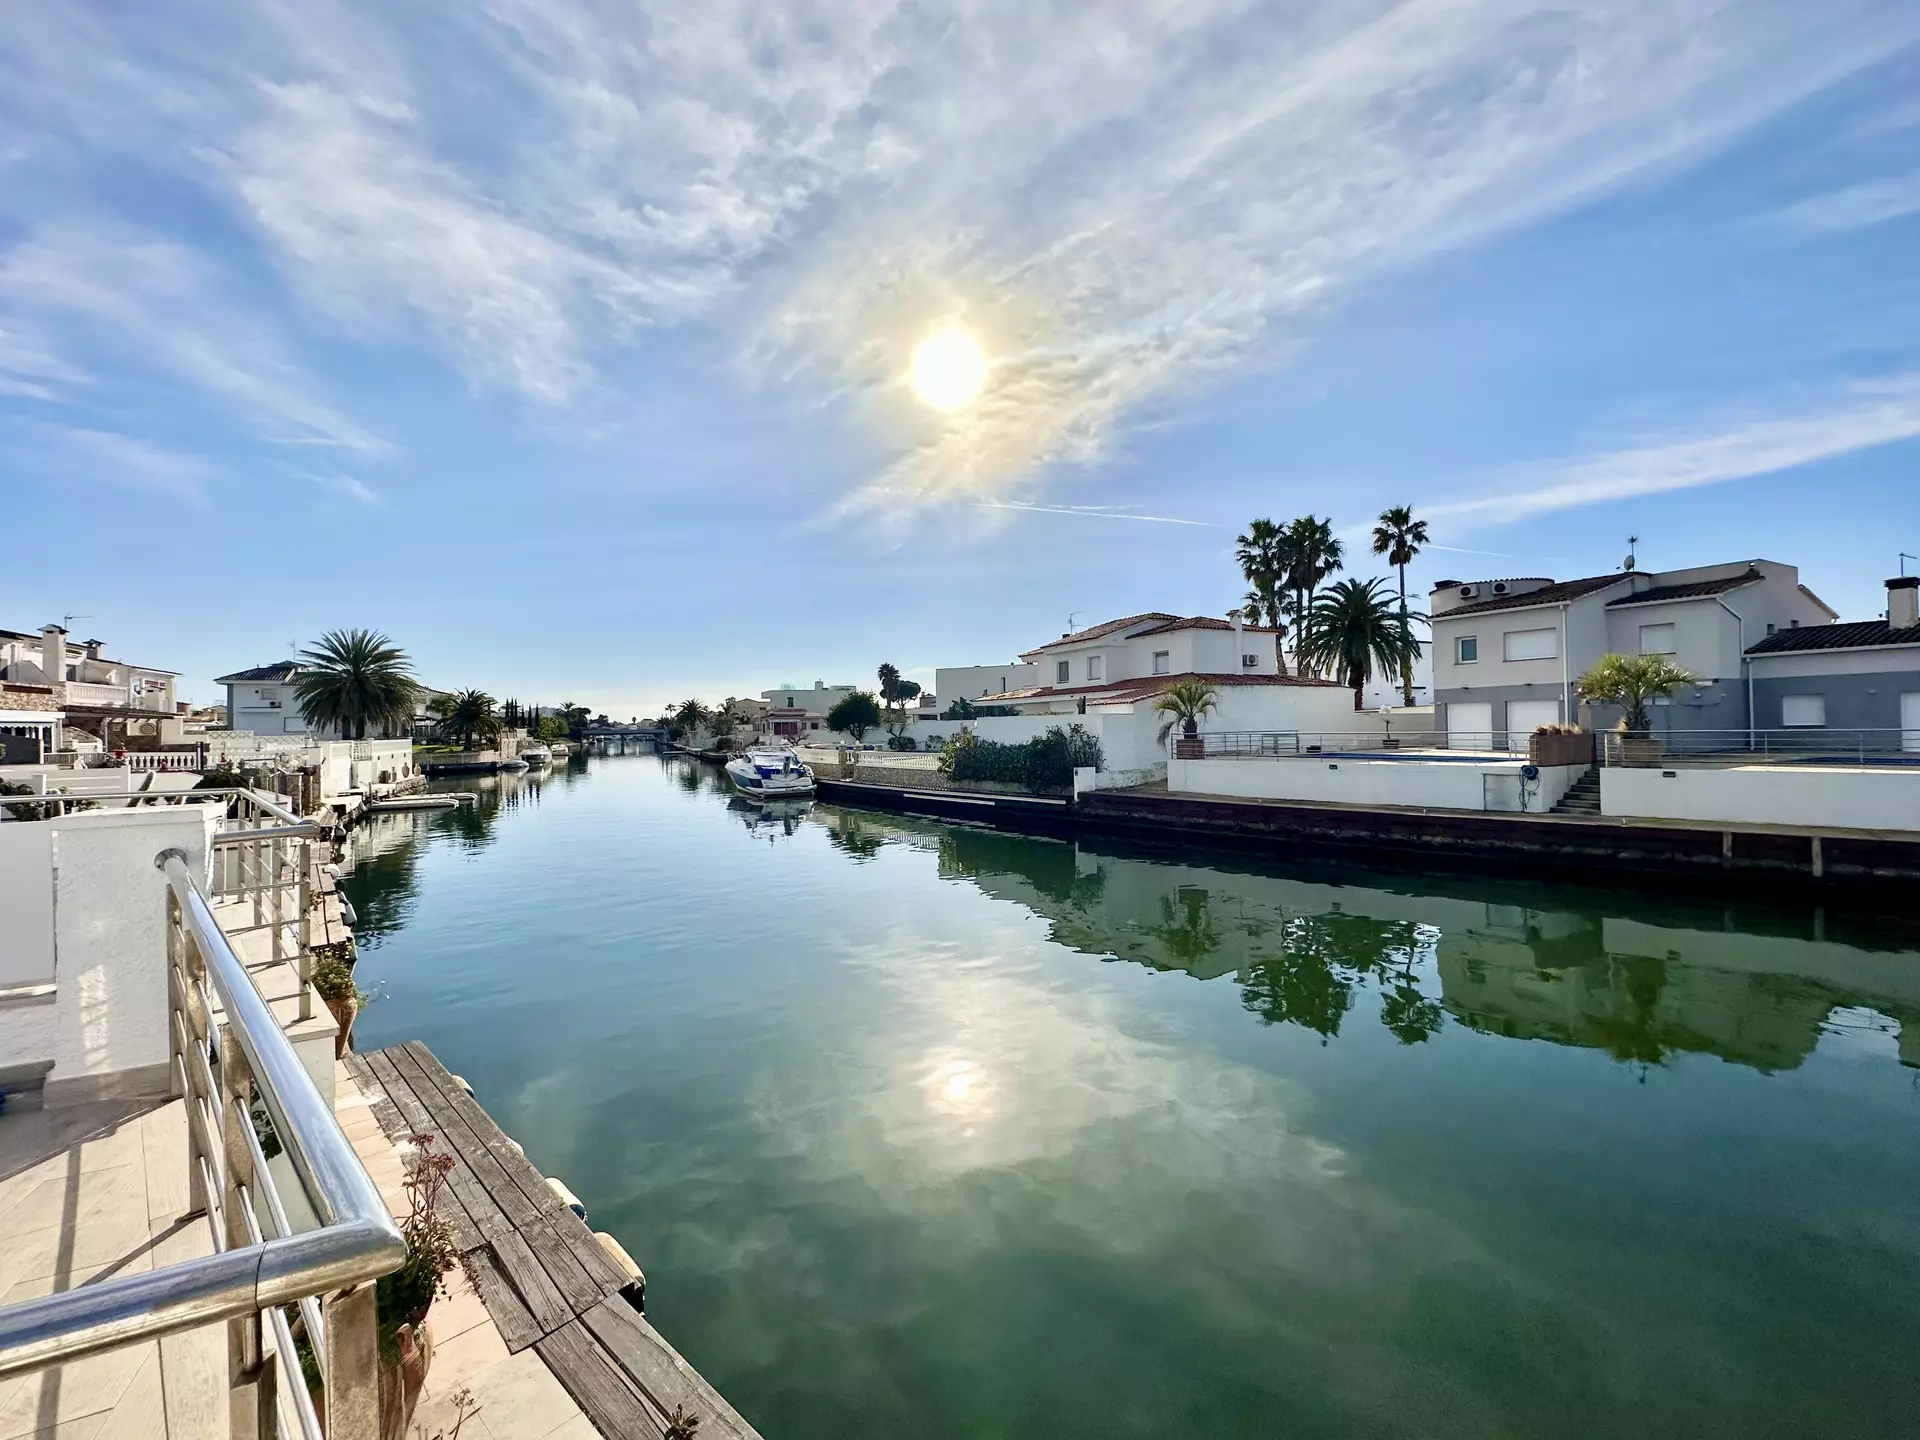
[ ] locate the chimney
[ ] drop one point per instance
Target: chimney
(1903, 602)
(53, 653)
(93, 649)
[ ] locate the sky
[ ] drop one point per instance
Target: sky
(568, 342)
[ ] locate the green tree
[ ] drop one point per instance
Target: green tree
(854, 715)
(471, 721)
(1264, 562)
(577, 718)
(551, 728)
(1184, 704)
(353, 679)
(1632, 682)
(1400, 537)
(692, 716)
(1352, 629)
(1313, 553)
(889, 683)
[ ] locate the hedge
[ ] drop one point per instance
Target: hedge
(1046, 762)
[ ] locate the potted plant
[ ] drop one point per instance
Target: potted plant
(1560, 745)
(333, 979)
(1184, 704)
(403, 1298)
(1633, 682)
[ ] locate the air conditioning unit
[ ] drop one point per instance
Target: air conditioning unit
(1249, 661)
(1500, 588)
(1467, 592)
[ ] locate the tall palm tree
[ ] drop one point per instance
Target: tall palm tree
(1263, 562)
(692, 715)
(1313, 553)
(1400, 537)
(353, 679)
(472, 720)
(889, 674)
(1354, 629)
(1184, 704)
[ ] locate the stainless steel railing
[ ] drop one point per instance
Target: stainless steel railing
(1289, 744)
(265, 853)
(1808, 745)
(228, 1053)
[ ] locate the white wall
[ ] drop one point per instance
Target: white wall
(1431, 785)
(105, 1026)
(1867, 798)
(970, 682)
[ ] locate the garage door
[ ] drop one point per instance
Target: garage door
(1469, 724)
(1526, 716)
(1910, 721)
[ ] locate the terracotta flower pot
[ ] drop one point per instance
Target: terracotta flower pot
(343, 1011)
(402, 1381)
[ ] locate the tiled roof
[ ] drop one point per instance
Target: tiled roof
(282, 672)
(1855, 636)
(1206, 622)
(1141, 686)
(1094, 632)
(1691, 591)
(1545, 595)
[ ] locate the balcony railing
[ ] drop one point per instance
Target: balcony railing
(89, 692)
(1370, 744)
(229, 1056)
(1812, 745)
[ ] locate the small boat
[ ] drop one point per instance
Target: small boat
(536, 755)
(515, 764)
(770, 775)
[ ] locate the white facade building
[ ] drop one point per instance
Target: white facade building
(972, 682)
(1507, 653)
(56, 693)
(794, 711)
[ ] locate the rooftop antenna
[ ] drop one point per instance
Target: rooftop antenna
(1904, 557)
(1633, 544)
(66, 621)
(1072, 615)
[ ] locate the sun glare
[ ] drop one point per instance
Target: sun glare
(948, 369)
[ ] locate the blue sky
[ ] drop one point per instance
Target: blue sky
(566, 340)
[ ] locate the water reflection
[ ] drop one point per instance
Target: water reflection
(1666, 979)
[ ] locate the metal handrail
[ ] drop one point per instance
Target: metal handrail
(1290, 744)
(355, 1242)
(1802, 745)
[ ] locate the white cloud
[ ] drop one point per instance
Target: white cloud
(1881, 413)
(1125, 201)
(1853, 208)
(150, 306)
(30, 370)
(106, 458)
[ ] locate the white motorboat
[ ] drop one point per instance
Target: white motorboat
(769, 775)
(514, 764)
(536, 755)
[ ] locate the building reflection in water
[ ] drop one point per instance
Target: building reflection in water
(1639, 978)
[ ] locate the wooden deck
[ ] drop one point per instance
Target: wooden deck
(544, 1279)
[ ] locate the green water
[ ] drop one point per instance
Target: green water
(922, 1130)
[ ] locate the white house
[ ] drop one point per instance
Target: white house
(974, 682)
(797, 710)
(50, 686)
(1129, 662)
(266, 701)
(1863, 676)
(1507, 653)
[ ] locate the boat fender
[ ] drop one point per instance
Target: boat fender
(634, 1292)
(566, 1196)
(346, 912)
(461, 1081)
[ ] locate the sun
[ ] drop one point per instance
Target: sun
(948, 369)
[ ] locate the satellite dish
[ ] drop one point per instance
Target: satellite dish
(1627, 564)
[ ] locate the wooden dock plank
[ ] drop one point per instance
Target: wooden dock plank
(609, 1398)
(541, 1274)
(513, 1163)
(661, 1373)
(511, 1317)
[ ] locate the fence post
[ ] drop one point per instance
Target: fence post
(250, 1369)
(353, 1364)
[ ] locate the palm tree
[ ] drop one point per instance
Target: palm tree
(889, 683)
(1184, 704)
(1263, 561)
(1313, 553)
(1632, 682)
(692, 716)
(1400, 537)
(1353, 629)
(470, 719)
(355, 678)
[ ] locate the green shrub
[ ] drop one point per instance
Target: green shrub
(901, 742)
(991, 761)
(1053, 757)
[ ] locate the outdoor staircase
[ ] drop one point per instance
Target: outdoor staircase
(1583, 797)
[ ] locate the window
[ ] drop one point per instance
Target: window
(1657, 640)
(1162, 661)
(1466, 649)
(1532, 644)
(1096, 667)
(1803, 712)
(1061, 673)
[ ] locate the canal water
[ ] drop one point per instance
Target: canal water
(925, 1130)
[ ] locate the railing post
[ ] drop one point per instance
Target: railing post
(353, 1364)
(275, 853)
(250, 1369)
(193, 974)
(259, 895)
(303, 897)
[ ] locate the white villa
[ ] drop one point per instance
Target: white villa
(1114, 666)
(797, 710)
(56, 693)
